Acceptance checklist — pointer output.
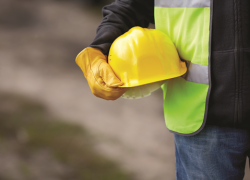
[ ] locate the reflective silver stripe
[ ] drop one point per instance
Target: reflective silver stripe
(182, 3)
(197, 73)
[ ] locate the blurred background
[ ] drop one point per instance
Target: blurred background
(52, 127)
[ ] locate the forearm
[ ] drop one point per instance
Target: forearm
(119, 17)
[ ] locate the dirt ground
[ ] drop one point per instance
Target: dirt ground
(37, 60)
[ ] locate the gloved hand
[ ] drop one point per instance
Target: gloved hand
(101, 78)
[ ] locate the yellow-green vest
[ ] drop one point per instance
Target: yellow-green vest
(188, 24)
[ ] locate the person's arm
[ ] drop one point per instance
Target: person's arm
(119, 17)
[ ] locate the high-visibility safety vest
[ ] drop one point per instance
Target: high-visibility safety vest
(188, 24)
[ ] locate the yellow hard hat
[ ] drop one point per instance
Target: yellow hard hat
(142, 56)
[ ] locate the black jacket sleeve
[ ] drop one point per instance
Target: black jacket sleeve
(119, 17)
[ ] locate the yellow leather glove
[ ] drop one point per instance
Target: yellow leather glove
(101, 78)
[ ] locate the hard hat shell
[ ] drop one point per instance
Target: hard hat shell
(142, 56)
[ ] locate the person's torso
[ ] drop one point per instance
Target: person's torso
(213, 36)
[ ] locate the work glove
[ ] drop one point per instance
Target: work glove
(101, 79)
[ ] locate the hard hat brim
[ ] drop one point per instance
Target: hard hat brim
(135, 84)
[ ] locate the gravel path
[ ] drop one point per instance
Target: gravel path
(37, 60)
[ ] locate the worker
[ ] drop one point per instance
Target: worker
(209, 111)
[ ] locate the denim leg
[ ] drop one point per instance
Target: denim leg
(248, 154)
(216, 153)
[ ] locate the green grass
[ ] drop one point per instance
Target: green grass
(30, 124)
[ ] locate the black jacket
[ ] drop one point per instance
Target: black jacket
(229, 102)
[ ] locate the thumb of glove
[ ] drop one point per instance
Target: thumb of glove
(108, 76)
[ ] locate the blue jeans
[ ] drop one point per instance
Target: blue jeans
(216, 153)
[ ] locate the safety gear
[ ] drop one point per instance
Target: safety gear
(101, 78)
(202, 34)
(187, 23)
(142, 56)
